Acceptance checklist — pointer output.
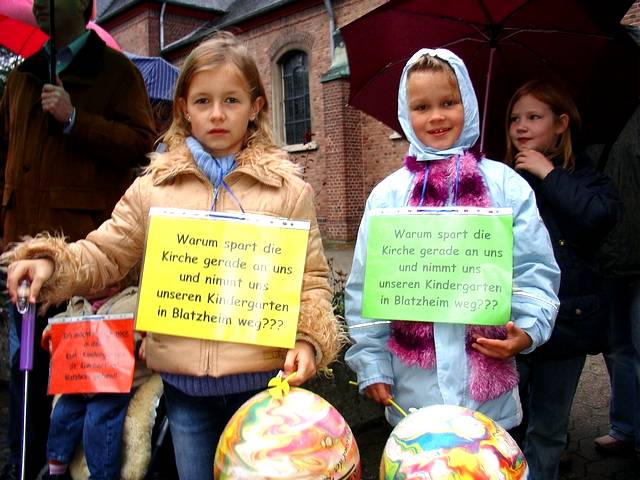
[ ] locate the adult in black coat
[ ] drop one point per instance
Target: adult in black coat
(620, 257)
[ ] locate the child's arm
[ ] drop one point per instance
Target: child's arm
(517, 340)
(318, 329)
(586, 204)
(369, 356)
(536, 276)
(86, 266)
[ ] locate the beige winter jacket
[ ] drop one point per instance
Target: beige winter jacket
(265, 183)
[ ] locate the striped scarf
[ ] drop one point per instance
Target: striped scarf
(215, 168)
(455, 180)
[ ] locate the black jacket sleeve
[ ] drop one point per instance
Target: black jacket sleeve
(584, 202)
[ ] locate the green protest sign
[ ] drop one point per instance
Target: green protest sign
(447, 264)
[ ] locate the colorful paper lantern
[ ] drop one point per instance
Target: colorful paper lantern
(296, 436)
(450, 442)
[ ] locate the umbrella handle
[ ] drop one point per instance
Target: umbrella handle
(26, 338)
(28, 325)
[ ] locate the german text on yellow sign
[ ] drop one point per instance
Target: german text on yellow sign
(220, 276)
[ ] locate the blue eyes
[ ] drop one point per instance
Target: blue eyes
(446, 104)
(203, 101)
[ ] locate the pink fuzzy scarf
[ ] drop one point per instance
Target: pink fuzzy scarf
(413, 342)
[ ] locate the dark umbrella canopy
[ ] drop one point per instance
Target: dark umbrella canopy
(159, 76)
(503, 44)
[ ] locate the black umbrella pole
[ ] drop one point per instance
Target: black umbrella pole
(53, 126)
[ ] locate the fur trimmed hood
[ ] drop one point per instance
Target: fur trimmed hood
(270, 166)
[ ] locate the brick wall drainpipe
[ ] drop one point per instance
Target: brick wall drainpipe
(332, 22)
(162, 9)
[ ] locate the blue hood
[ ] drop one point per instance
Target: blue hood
(471, 129)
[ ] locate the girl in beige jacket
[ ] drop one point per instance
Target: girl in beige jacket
(220, 156)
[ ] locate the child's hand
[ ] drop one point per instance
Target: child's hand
(300, 359)
(38, 271)
(533, 162)
(516, 341)
(379, 392)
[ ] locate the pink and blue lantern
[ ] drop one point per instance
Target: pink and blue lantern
(445, 442)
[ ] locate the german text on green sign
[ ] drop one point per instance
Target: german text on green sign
(449, 264)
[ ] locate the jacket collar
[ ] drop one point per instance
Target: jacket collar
(269, 167)
(86, 64)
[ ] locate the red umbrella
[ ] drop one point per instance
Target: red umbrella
(503, 43)
(21, 10)
(19, 37)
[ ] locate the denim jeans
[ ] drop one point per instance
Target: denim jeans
(98, 421)
(196, 424)
(622, 363)
(547, 388)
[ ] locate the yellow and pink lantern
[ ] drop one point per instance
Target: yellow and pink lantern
(287, 433)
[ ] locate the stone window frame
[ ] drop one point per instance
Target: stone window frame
(289, 41)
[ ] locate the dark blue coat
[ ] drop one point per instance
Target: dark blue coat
(579, 208)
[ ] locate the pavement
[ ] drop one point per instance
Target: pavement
(589, 416)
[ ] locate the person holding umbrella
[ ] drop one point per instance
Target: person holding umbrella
(579, 207)
(68, 149)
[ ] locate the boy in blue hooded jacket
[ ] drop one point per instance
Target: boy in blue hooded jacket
(422, 363)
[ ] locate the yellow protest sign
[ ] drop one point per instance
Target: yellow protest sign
(219, 276)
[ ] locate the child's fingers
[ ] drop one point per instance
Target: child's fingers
(37, 271)
(41, 271)
(290, 362)
(303, 373)
(304, 366)
(491, 347)
(36, 286)
(379, 392)
(16, 272)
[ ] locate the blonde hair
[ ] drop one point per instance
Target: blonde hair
(220, 49)
(429, 63)
(560, 103)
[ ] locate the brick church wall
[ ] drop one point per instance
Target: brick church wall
(354, 152)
